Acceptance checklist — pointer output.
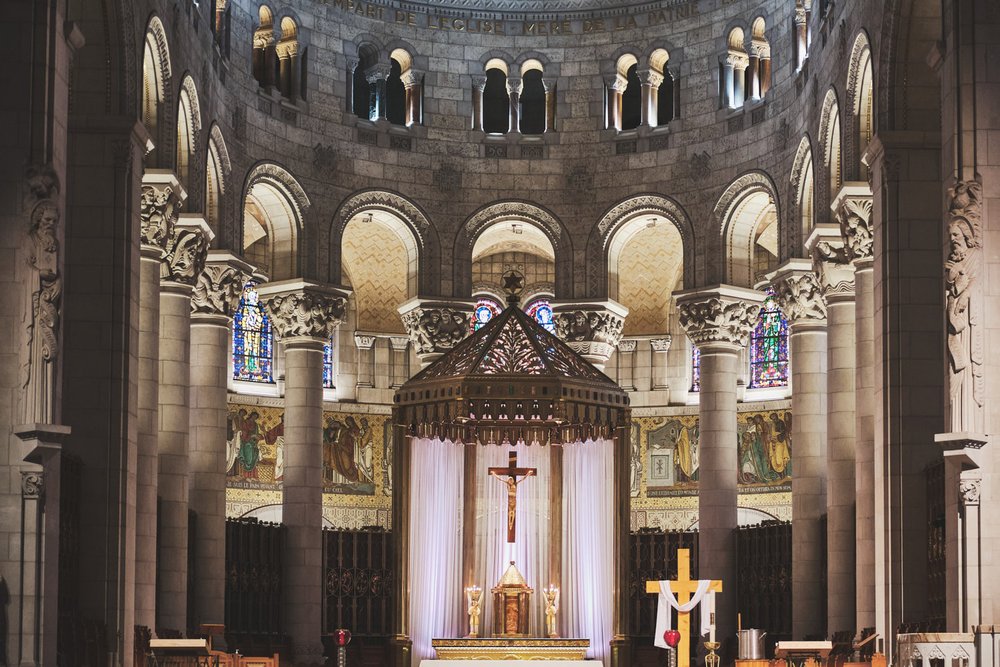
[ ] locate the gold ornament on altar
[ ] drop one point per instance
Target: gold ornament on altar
(511, 602)
(551, 609)
(475, 596)
(712, 658)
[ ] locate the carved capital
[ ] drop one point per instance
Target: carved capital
(435, 327)
(399, 343)
(650, 77)
(186, 251)
(378, 72)
(159, 206)
(514, 85)
(800, 16)
(799, 293)
(760, 49)
(619, 84)
(410, 78)
(661, 344)
(220, 285)
(627, 345)
(723, 315)
(737, 60)
(853, 207)
(479, 83)
(364, 341)
(32, 484)
(593, 330)
(300, 309)
(830, 263)
(968, 491)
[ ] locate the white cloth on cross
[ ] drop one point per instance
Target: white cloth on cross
(667, 601)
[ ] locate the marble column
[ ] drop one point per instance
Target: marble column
(836, 278)
(183, 263)
(412, 84)
(719, 321)
(729, 81)
(216, 297)
(478, 86)
(801, 36)
(377, 77)
(550, 104)
(650, 80)
(802, 303)
(592, 328)
(162, 196)
(740, 64)
(514, 87)
(853, 208)
(435, 326)
(615, 90)
(304, 316)
(754, 70)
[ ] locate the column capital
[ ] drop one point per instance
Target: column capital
(286, 49)
(627, 345)
(661, 344)
(799, 293)
(219, 287)
(618, 84)
(303, 309)
(159, 205)
(592, 328)
(853, 208)
(411, 78)
(186, 251)
(436, 326)
(378, 72)
(514, 85)
(399, 343)
(41, 440)
(759, 49)
(720, 315)
(650, 77)
(548, 85)
(830, 263)
(800, 15)
(364, 341)
(737, 60)
(479, 82)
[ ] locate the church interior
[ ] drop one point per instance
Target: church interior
(400, 333)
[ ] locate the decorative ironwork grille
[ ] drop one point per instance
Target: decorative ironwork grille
(358, 582)
(764, 554)
(253, 579)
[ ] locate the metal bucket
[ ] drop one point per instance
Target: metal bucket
(751, 644)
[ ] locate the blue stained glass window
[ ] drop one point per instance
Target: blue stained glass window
(769, 347)
(695, 368)
(253, 340)
(485, 310)
(328, 365)
(541, 311)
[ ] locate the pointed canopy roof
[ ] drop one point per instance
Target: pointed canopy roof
(512, 379)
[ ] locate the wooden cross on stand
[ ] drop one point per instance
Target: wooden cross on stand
(512, 472)
(682, 588)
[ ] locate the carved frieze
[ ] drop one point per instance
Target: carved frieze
(718, 319)
(436, 329)
(220, 285)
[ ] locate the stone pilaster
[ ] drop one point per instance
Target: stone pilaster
(658, 349)
(719, 321)
(304, 316)
(216, 297)
(435, 326)
(182, 263)
(853, 208)
(591, 328)
(161, 199)
(836, 279)
(801, 299)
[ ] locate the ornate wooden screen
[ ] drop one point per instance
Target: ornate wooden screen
(358, 582)
(764, 554)
(253, 583)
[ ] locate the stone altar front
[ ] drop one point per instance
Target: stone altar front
(472, 650)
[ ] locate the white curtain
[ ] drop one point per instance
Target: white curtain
(588, 555)
(437, 601)
(530, 550)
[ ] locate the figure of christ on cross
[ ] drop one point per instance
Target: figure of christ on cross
(511, 473)
(683, 587)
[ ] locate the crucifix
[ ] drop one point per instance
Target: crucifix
(511, 473)
(683, 587)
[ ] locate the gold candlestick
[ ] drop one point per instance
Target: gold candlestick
(474, 594)
(551, 609)
(712, 659)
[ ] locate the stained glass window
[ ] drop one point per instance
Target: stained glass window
(252, 339)
(328, 365)
(695, 368)
(485, 310)
(769, 347)
(541, 311)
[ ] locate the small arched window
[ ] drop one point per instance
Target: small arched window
(632, 99)
(802, 36)
(485, 310)
(540, 310)
(758, 73)
(769, 346)
(252, 339)
(733, 71)
(532, 103)
(263, 48)
(496, 102)
(291, 62)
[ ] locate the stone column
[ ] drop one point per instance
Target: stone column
(399, 360)
(615, 91)
(183, 263)
(802, 303)
(478, 86)
(740, 64)
(625, 364)
(288, 61)
(729, 81)
(719, 321)
(377, 76)
(650, 80)
(592, 328)
(550, 104)
(216, 297)
(162, 196)
(304, 315)
(659, 366)
(435, 326)
(801, 36)
(514, 87)
(836, 278)
(352, 66)
(414, 97)
(853, 208)
(754, 67)
(765, 71)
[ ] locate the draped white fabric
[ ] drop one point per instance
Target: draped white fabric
(588, 556)
(531, 549)
(437, 607)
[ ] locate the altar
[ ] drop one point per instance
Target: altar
(471, 650)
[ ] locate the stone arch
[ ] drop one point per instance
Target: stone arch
(747, 207)
(412, 222)
(830, 138)
(802, 192)
(188, 131)
(217, 171)
(513, 211)
(860, 95)
(157, 91)
(281, 205)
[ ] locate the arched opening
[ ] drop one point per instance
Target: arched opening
(496, 100)
(511, 245)
(758, 73)
(188, 125)
(363, 92)
(395, 93)
(863, 99)
(750, 231)
(618, 89)
(271, 222)
(155, 87)
(733, 71)
(532, 103)
(632, 99)
(291, 61)
(263, 64)
(215, 175)
(804, 188)
(830, 127)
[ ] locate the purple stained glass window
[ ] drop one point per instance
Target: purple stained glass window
(328, 365)
(541, 311)
(485, 310)
(769, 347)
(252, 339)
(695, 368)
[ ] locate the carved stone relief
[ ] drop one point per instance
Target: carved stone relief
(159, 207)
(801, 297)
(186, 252)
(855, 215)
(218, 290)
(718, 320)
(968, 491)
(304, 313)
(434, 330)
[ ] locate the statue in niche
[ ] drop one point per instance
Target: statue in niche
(965, 342)
(42, 315)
